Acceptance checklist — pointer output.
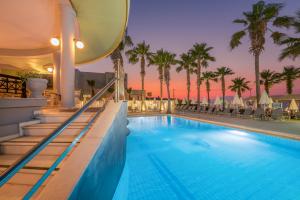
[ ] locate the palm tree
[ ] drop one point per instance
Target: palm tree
(207, 77)
(268, 78)
(117, 58)
(239, 85)
(157, 59)
(186, 63)
(92, 84)
(293, 43)
(256, 23)
(222, 72)
(129, 90)
(201, 54)
(117, 53)
(141, 52)
(290, 74)
(169, 60)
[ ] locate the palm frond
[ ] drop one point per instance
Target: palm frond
(179, 69)
(277, 37)
(284, 21)
(292, 51)
(271, 10)
(236, 39)
(133, 59)
(240, 21)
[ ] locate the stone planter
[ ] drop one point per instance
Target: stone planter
(37, 86)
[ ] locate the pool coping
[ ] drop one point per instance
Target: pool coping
(256, 130)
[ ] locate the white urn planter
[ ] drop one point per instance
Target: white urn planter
(37, 86)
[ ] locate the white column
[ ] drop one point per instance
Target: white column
(122, 83)
(67, 70)
(56, 72)
(117, 83)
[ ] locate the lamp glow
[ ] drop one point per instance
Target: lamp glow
(54, 41)
(50, 69)
(79, 44)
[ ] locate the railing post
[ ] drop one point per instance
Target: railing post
(7, 85)
(16, 86)
(24, 94)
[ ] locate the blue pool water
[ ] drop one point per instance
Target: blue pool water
(173, 158)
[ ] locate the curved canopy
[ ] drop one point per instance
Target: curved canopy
(102, 26)
(27, 26)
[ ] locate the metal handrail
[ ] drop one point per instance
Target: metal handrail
(44, 177)
(19, 164)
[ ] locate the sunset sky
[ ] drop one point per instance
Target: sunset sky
(176, 25)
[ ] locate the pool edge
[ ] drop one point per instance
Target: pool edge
(256, 130)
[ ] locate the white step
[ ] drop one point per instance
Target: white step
(46, 129)
(39, 162)
(26, 176)
(61, 117)
(14, 148)
(20, 184)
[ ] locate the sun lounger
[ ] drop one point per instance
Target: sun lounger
(190, 108)
(259, 114)
(297, 115)
(203, 109)
(217, 111)
(227, 111)
(185, 108)
(235, 112)
(248, 113)
(211, 110)
(194, 108)
(177, 107)
(241, 111)
(198, 109)
(180, 109)
(279, 114)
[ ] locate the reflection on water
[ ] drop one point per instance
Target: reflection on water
(175, 158)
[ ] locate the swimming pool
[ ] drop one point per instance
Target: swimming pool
(174, 158)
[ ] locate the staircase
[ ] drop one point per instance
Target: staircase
(12, 150)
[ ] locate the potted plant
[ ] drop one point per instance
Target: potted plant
(35, 83)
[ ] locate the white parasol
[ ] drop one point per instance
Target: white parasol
(204, 101)
(236, 100)
(218, 101)
(293, 106)
(241, 102)
(264, 99)
(270, 102)
(176, 102)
